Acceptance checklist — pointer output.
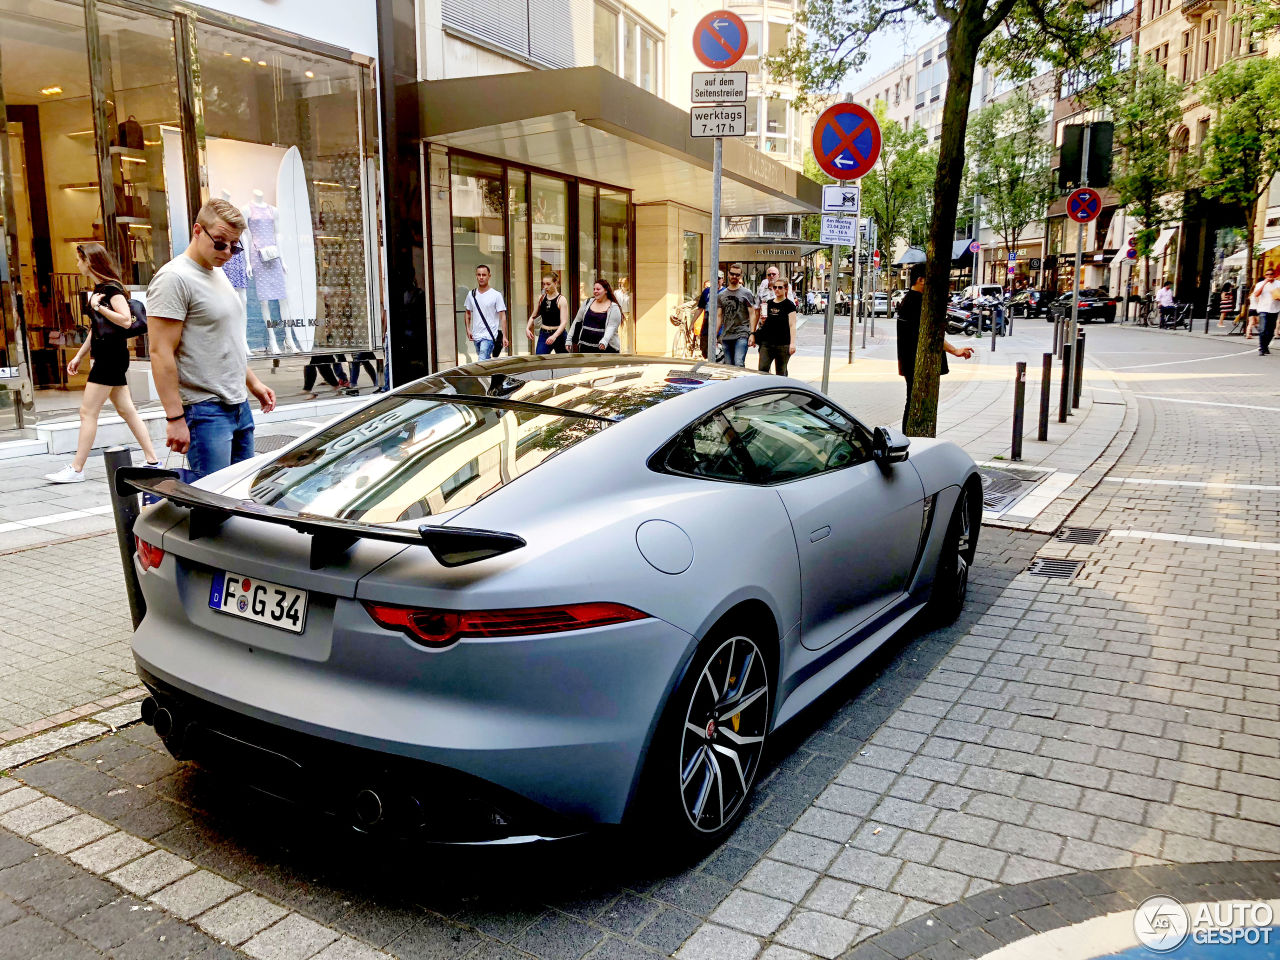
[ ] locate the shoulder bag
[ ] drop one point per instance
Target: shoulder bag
(497, 338)
(102, 327)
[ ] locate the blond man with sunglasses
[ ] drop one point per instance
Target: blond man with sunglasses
(198, 354)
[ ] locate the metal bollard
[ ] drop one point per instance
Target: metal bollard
(1057, 337)
(125, 510)
(1064, 397)
(1078, 356)
(1019, 402)
(1046, 375)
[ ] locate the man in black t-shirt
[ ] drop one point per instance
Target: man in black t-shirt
(909, 334)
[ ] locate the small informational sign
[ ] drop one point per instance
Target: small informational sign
(1012, 256)
(8, 373)
(975, 247)
(1034, 263)
(1012, 271)
(726, 121)
(875, 259)
(841, 198)
(1131, 253)
(838, 230)
(711, 87)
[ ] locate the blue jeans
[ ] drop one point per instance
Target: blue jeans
(221, 434)
(543, 347)
(735, 351)
(484, 348)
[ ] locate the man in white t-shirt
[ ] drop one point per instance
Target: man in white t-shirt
(764, 292)
(1266, 296)
(486, 314)
(1164, 298)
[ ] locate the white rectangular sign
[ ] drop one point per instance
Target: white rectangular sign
(8, 373)
(839, 198)
(719, 86)
(718, 121)
(838, 230)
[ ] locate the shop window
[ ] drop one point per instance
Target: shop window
(754, 29)
(519, 284)
(606, 38)
(550, 208)
(586, 242)
(648, 63)
(753, 114)
(691, 263)
(776, 117)
(283, 139)
(53, 175)
(615, 253)
(776, 226)
(140, 67)
(479, 236)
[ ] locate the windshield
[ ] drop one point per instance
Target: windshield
(420, 452)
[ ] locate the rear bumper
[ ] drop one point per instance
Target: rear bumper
(554, 726)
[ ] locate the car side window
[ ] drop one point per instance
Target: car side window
(705, 450)
(792, 435)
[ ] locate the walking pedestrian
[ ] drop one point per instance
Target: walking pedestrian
(486, 316)
(765, 291)
(323, 364)
(1268, 305)
(704, 307)
(775, 333)
(365, 359)
(737, 315)
(1168, 309)
(595, 328)
(108, 348)
(198, 356)
(1226, 302)
(909, 334)
(552, 318)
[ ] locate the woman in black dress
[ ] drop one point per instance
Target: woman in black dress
(110, 354)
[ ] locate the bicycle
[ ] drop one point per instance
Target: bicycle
(687, 343)
(1145, 305)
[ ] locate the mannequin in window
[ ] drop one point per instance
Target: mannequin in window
(268, 271)
(237, 271)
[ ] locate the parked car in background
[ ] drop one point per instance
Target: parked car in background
(1029, 303)
(880, 304)
(1095, 304)
(977, 290)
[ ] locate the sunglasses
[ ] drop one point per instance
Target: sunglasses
(220, 245)
(779, 286)
(735, 276)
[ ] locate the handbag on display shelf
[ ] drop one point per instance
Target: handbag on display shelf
(129, 134)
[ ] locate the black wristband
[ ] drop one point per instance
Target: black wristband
(181, 416)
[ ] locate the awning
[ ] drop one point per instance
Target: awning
(960, 255)
(909, 256)
(1162, 241)
(587, 122)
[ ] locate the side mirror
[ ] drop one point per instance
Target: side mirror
(889, 445)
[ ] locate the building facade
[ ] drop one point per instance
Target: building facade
(119, 119)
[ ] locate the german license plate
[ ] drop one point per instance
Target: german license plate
(259, 600)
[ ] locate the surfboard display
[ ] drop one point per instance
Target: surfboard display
(297, 240)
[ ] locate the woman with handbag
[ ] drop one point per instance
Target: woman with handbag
(108, 346)
(595, 328)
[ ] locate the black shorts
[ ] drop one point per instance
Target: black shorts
(110, 372)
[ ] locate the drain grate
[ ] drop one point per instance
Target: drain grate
(1054, 567)
(1086, 535)
(273, 441)
(1002, 488)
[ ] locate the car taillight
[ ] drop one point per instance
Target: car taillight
(1111, 303)
(149, 556)
(441, 628)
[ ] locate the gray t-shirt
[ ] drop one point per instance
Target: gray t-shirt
(212, 356)
(736, 305)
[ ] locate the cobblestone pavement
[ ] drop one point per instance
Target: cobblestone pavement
(1126, 718)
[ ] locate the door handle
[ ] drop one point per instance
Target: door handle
(820, 534)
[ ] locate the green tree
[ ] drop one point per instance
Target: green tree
(1149, 179)
(895, 191)
(1011, 157)
(1242, 151)
(1020, 35)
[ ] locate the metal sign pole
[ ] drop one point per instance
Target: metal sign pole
(1068, 370)
(855, 284)
(713, 297)
(831, 314)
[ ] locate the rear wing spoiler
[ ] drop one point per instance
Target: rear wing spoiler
(331, 537)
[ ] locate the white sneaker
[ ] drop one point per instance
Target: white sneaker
(67, 474)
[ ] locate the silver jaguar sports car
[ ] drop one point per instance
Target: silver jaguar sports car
(529, 596)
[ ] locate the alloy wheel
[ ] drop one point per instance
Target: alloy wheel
(723, 735)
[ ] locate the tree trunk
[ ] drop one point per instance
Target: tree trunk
(1251, 224)
(962, 54)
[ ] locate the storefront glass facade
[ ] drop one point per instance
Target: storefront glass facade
(119, 119)
(551, 224)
